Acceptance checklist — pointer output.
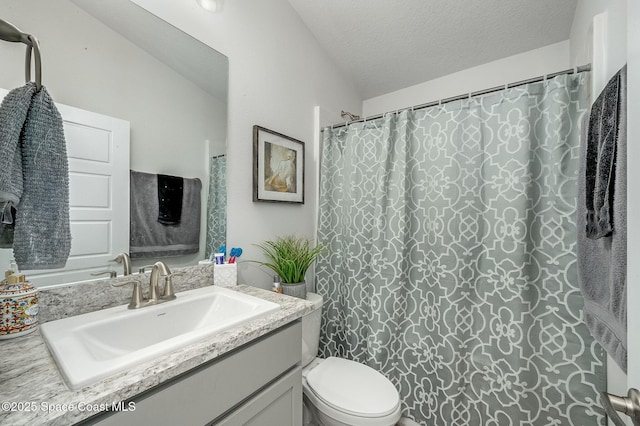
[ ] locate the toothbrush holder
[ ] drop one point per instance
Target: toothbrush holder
(225, 275)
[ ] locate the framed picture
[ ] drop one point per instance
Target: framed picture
(278, 167)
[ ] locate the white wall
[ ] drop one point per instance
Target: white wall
(277, 74)
(616, 33)
(534, 63)
(88, 66)
(607, 62)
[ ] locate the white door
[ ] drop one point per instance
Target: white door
(633, 203)
(633, 190)
(98, 151)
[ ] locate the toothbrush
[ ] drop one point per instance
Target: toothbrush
(234, 253)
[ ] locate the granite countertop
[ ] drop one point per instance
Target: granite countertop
(32, 391)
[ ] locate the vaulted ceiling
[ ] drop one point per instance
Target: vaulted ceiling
(387, 45)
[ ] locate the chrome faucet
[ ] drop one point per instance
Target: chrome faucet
(167, 293)
(126, 262)
(159, 268)
(155, 296)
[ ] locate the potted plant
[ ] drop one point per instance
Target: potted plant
(290, 257)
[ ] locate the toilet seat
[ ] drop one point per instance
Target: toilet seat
(353, 389)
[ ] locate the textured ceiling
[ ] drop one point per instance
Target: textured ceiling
(387, 45)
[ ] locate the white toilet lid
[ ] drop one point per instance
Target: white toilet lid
(353, 388)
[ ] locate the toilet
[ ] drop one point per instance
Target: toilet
(340, 392)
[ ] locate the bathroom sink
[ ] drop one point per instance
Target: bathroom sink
(93, 346)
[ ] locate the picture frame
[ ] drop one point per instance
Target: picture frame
(278, 167)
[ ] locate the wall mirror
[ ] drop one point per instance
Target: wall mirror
(118, 60)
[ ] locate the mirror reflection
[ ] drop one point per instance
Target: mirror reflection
(115, 61)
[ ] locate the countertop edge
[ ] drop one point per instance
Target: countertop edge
(22, 381)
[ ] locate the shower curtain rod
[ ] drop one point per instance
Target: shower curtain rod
(469, 95)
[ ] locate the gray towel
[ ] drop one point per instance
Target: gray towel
(42, 236)
(601, 159)
(7, 229)
(151, 239)
(13, 114)
(602, 263)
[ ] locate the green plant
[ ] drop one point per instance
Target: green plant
(290, 257)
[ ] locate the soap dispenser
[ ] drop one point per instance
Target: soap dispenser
(277, 285)
(18, 305)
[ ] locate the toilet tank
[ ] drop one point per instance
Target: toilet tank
(311, 329)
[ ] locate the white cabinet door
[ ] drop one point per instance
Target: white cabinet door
(279, 404)
(98, 151)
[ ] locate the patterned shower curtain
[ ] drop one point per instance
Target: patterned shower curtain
(452, 266)
(217, 205)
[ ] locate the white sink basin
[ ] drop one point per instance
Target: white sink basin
(93, 346)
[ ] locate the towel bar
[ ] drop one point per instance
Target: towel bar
(11, 33)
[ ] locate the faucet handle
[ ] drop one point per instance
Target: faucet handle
(112, 274)
(144, 268)
(169, 293)
(136, 296)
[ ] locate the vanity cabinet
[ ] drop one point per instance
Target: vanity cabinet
(259, 383)
(278, 405)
